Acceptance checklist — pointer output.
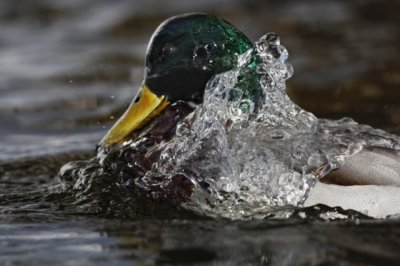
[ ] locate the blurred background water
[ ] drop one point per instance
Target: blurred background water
(69, 68)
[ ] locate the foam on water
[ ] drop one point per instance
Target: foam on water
(248, 149)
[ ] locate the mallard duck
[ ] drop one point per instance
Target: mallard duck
(183, 54)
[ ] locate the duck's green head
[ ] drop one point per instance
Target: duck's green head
(183, 54)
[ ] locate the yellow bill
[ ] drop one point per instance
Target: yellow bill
(143, 108)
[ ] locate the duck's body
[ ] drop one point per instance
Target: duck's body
(184, 53)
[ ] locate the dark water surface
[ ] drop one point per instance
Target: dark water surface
(68, 68)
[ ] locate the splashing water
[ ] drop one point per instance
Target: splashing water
(246, 152)
(248, 149)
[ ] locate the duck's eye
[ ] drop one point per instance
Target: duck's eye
(201, 51)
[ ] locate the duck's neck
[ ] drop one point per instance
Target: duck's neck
(134, 158)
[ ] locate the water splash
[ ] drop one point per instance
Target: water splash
(248, 150)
